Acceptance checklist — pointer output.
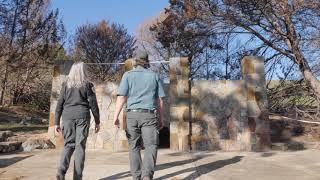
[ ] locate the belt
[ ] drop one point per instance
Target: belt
(142, 110)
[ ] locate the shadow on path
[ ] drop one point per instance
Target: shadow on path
(203, 169)
(8, 162)
(158, 167)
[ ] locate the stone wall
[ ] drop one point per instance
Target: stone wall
(108, 138)
(219, 109)
(204, 115)
(60, 71)
(225, 115)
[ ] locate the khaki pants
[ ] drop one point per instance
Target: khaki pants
(142, 128)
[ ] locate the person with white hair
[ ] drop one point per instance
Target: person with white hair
(77, 97)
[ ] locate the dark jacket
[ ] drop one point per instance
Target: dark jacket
(75, 103)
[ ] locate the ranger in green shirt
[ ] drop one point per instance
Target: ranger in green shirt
(142, 90)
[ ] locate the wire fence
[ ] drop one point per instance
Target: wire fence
(153, 62)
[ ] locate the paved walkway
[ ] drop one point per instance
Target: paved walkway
(302, 165)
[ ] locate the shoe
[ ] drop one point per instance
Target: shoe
(60, 177)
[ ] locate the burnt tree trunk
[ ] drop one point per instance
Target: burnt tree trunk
(293, 42)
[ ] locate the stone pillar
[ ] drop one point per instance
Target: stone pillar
(129, 63)
(60, 71)
(257, 103)
(179, 103)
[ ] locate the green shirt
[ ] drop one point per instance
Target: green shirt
(142, 87)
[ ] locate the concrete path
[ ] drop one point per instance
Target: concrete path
(299, 165)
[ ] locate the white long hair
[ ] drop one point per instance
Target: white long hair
(77, 76)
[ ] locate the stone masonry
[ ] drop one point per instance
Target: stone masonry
(257, 102)
(179, 97)
(225, 115)
(108, 138)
